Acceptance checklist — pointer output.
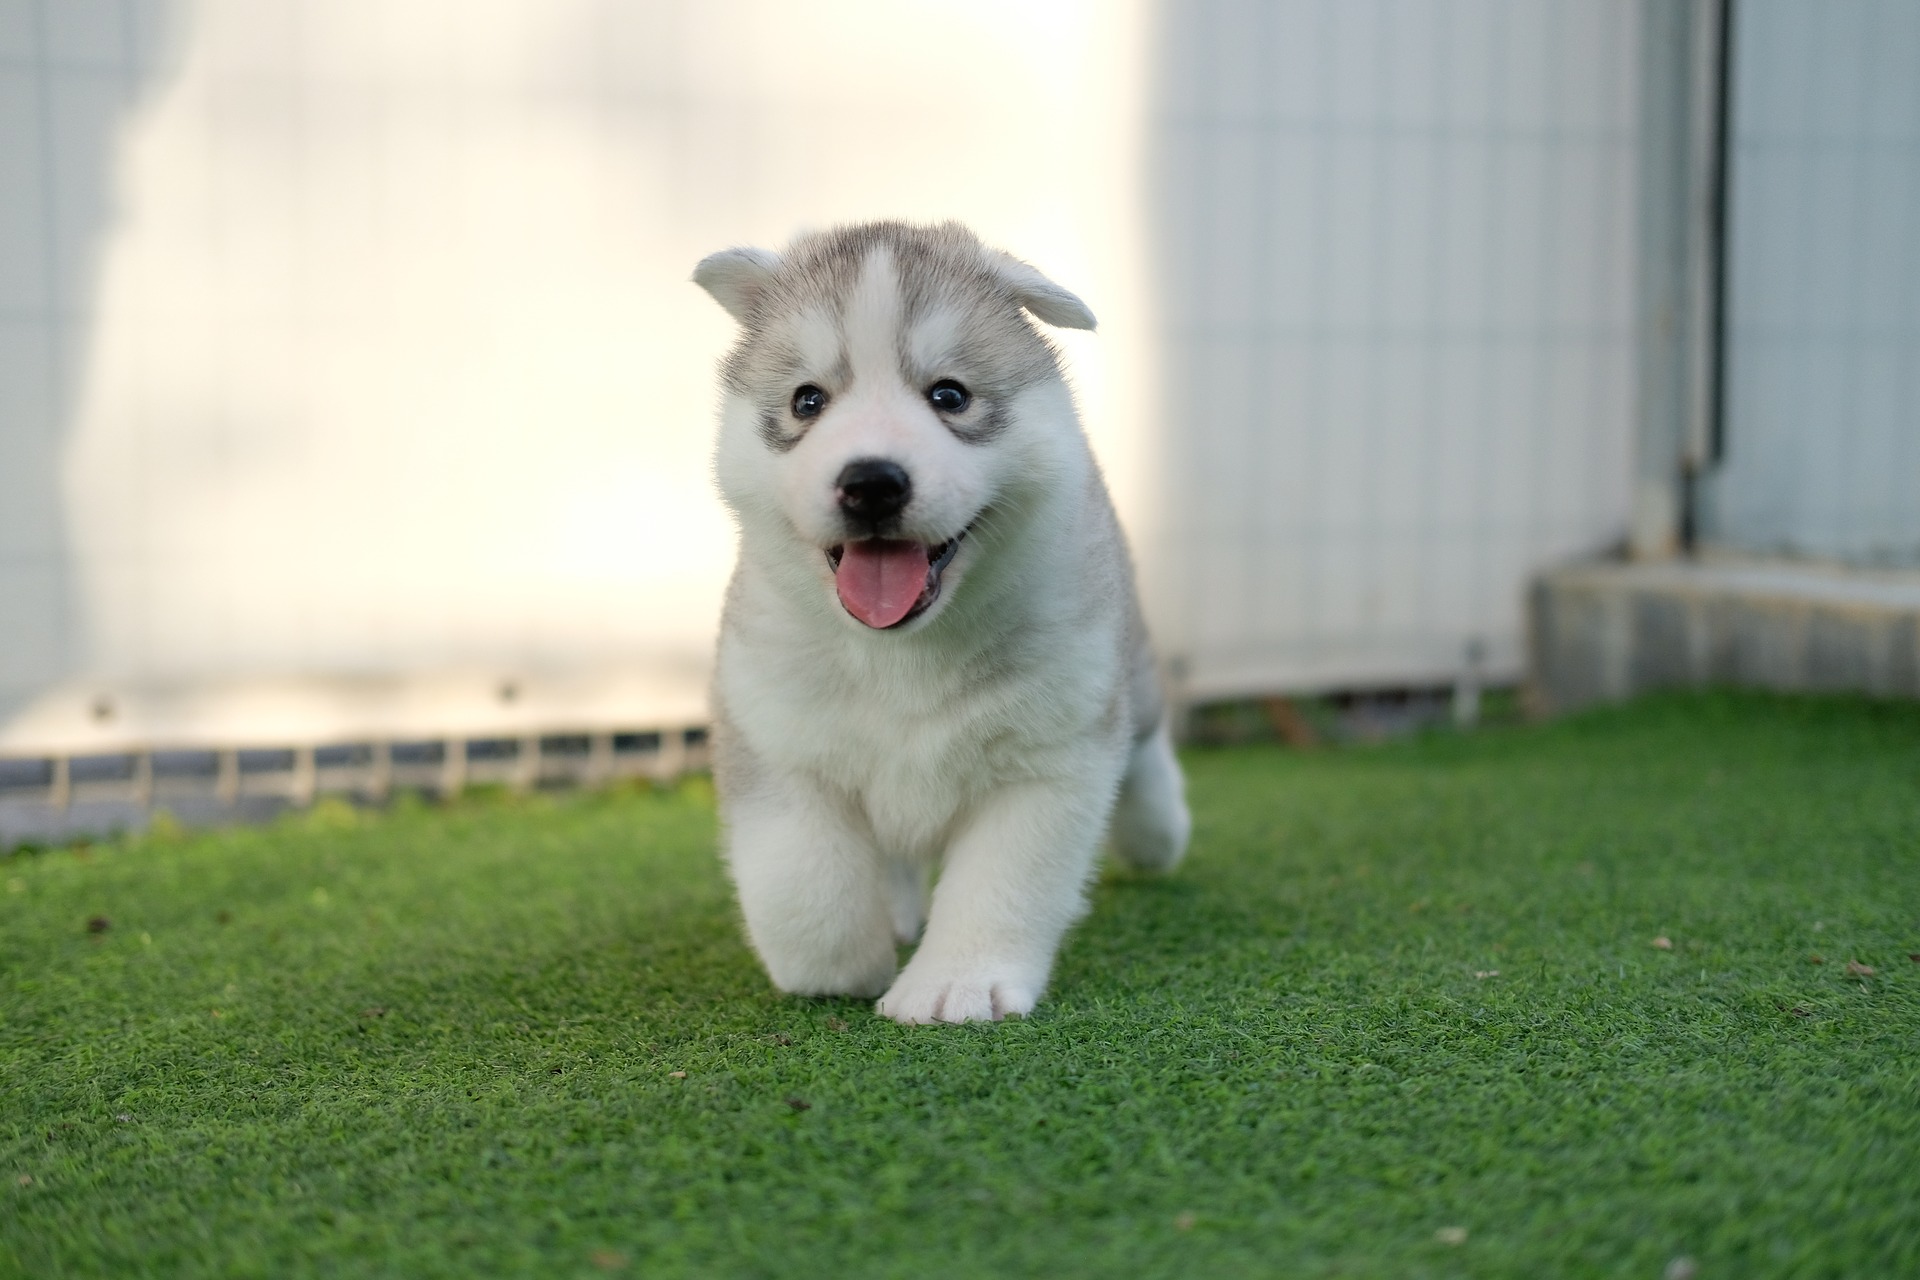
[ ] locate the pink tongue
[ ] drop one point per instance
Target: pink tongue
(880, 580)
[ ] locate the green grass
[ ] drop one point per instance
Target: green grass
(445, 1041)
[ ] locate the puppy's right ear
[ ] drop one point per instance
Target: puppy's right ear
(1045, 299)
(736, 278)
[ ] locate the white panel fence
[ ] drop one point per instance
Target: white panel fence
(1822, 444)
(1396, 260)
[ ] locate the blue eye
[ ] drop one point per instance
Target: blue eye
(808, 401)
(948, 396)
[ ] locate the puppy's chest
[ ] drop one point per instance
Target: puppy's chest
(914, 759)
(927, 747)
(912, 793)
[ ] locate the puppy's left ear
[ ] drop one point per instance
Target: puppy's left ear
(1045, 299)
(736, 278)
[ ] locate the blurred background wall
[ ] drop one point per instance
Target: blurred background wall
(347, 358)
(353, 341)
(66, 88)
(1395, 253)
(1822, 449)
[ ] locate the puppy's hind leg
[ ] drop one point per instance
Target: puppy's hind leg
(1150, 821)
(813, 891)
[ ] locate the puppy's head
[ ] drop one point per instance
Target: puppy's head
(888, 397)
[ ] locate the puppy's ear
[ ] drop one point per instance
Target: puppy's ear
(736, 278)
(1045, 299)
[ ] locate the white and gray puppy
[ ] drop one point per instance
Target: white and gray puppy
(931, 654)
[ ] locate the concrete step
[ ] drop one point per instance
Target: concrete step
(1600, 632)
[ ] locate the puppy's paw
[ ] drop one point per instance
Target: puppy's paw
(844, 978)
(936, 995)
(843, 965)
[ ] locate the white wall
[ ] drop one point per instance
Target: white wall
(1395, 253)
(387, 359)
(70, 73)
(1822, 449)
(347, 336)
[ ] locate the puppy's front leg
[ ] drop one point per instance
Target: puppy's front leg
(813, 892)
(1014, 880)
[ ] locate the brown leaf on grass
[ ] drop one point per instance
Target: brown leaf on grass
(1816, 958)
(25, 1179)
(676, 1075)
(607, 1259)
(1663, 943)
(1289, 725)
(1857, 970)
(1914, 956)
(223, 915)
(799, 1104)
(374, 1011)
(98, 924)
(216, 1013)
(836, 1024)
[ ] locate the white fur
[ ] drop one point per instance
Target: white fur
(735, 277)
(988, 739)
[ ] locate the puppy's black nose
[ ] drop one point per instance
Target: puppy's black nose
(872, 490)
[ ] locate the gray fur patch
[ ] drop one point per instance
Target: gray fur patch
(994, 421)
(995, 350)
(776, 437)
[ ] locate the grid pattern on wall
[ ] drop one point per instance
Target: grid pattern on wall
(70, 72)
(1395, 245)
(1822, 431)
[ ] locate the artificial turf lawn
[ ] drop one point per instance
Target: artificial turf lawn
(447, 1041)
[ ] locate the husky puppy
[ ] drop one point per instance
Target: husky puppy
(931, 654)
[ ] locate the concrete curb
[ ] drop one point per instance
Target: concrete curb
(1603, 632)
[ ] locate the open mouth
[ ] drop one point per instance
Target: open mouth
(885, 582)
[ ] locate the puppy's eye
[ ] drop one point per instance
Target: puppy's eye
(808, 401)
(948, 396)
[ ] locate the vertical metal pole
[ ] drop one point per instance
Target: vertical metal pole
(1680, 109)
(1466, 690)
(1177, 705)
(305, 780)
(673, 755)
(60, 786)
(226, 781)
(380, 771)
(1704, 354)
(1717, 214)
(526, 772)
(453, 768)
